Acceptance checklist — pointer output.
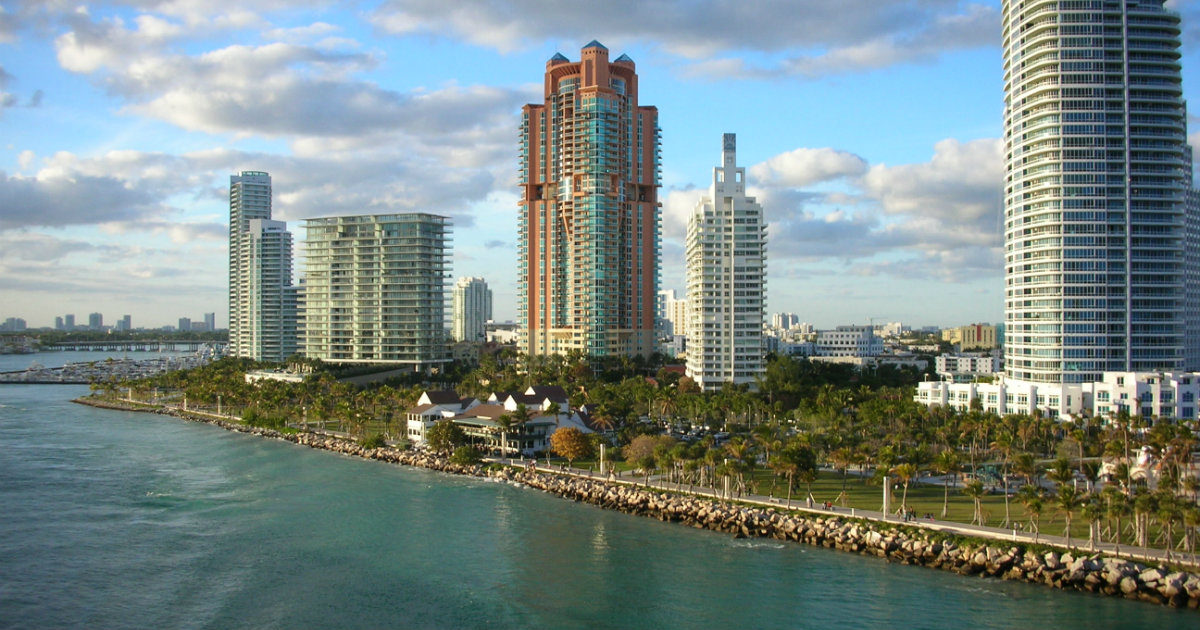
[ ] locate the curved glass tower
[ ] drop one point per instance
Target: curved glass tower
(1096, 185)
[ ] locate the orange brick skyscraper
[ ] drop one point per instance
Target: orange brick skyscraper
(589, 211)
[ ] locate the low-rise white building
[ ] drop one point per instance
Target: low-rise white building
(1162, 394)
(1150, 394)
(848, 341)
(962, 368)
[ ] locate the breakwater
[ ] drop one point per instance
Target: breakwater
(894, 542)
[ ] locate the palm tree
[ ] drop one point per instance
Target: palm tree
(1068, 500)
(841, 459)
(1093, 511)
(1191, 522)
(1003, 445)
(905, 473)
(1025, 465)
(1169, 511)
(1061, 472)
(974, 489)
(740, 453)
(1144, 504)
(1031, 497)
(949, 465)
(783, 466)
(505, 422)
(1118, 508)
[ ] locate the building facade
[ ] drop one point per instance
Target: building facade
(1097, 176)
(472, 310)
(375, 289)
(1170, 395)
(589, 211)
(262, 321)
(726, 280)
(848, 341)
(965, 367)
(971, 336)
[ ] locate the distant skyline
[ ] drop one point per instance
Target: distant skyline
(870, 130)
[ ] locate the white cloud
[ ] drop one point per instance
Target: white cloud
(811, 37)
(805, 167)
(960, 185)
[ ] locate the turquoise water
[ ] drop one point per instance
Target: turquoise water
(120, 520)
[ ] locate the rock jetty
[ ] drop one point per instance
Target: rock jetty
(1092, 573)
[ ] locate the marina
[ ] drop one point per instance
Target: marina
(102, 370)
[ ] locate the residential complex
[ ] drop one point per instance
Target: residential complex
(1099, 257)
(472, 310)
(375, 289)
(726, 280)
(262, 308)
(1149, 394)
(589, 211)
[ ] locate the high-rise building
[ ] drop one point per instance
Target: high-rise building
(375, 289)
(784, 321)
(262, 321)
(472, 309)
(125, 324)
(58, 323)
(69, 322)
(96, 321)
(210, 322)
(1191, 264)
(589, 211)
(1097, 177)
(185, 323)
(726, 279)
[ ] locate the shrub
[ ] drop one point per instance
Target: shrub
(373, 441)
(465, 456)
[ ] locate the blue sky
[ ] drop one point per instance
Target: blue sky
(870, 130)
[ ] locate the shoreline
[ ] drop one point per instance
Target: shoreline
(894, 542)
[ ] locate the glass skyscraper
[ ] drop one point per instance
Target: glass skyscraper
(1099, 217)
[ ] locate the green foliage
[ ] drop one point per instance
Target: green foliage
(375, 440)
(256, 418)
(466, 455)
(444, 436)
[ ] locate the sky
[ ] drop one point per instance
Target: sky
(870, 131)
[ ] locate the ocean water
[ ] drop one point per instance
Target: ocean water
(120, 520)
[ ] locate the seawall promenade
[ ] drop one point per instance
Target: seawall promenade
(895, 542)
